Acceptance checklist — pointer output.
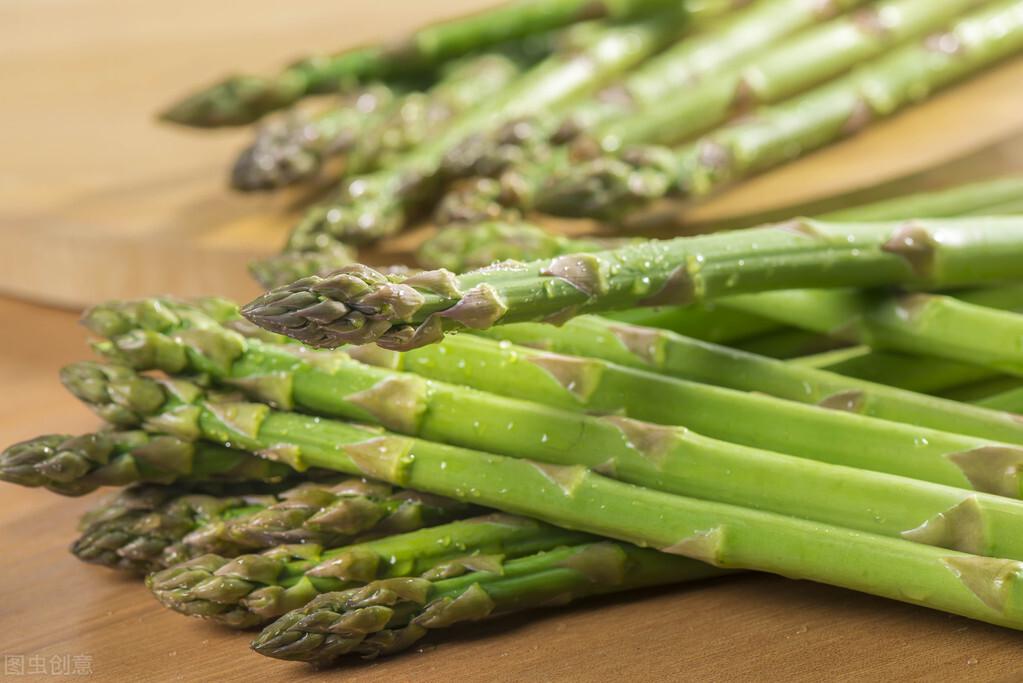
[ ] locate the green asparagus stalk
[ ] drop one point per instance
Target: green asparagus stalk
(978, 391)
(1011, 401)
(76, 465)
(763, 70)
(463, 248)
(928, 324)
(292, 148)
(989, 197)
(253, 589)
(385, 617)
(147, 528)
(359, 305)
(788, 344)
(671, 460)
(375, 205)
(612, 185)
(575, 497)
(913, 373)
(241, 99)
(708, 322)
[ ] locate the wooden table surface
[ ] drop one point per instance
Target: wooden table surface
(743, 628)
(83, 69)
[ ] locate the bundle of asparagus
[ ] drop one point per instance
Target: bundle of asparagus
(307, 463)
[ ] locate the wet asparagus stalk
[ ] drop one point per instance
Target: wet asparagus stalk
(76, 465)
(241, 99)
(358, 305)
(575, 497)
(667, 459)
(610, 186)
(253, 589)
(149, 528)
(388, 616)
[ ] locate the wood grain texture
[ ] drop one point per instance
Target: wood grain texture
(744, 628)
(97, 200)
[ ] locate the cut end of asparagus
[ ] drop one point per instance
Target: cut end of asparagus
(235, 101)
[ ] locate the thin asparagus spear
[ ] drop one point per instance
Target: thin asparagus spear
(764, 70)
(611, 185)
(292, 148)
(253, 589)
(670, 460)
(241, 99)
(385, 617)
(927, 324)
(359, 305)
(76, 465)
(574, 497)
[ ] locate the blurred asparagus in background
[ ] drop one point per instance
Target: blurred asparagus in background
(238, 100)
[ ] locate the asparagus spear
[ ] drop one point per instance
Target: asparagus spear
(376, 205)
(789, 344)
(990, 197)
(575, 497)
(763, 69)
(76, 465)
(147, 528)
(253, 589)
(385, 617)
(611, 185)
(1011, 400)
(138, 529)
(464, 248)
(671, 460)
(901, 370)
(293, 147)
(928, 324)
(241, 99)
(359, 305)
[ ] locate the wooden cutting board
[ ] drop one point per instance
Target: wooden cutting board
(97, 200)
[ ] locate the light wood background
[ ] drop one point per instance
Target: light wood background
(96, 200)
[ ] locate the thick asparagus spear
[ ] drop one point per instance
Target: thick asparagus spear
(293, 147)
(359, 305)
(76, 465)
(241, 99)
(767, 71)
(148, 528)
(574, 497)
(376, 205)
(385, 617)
(611, 185)
(670, 460)
(928, 324)
(253, 589)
